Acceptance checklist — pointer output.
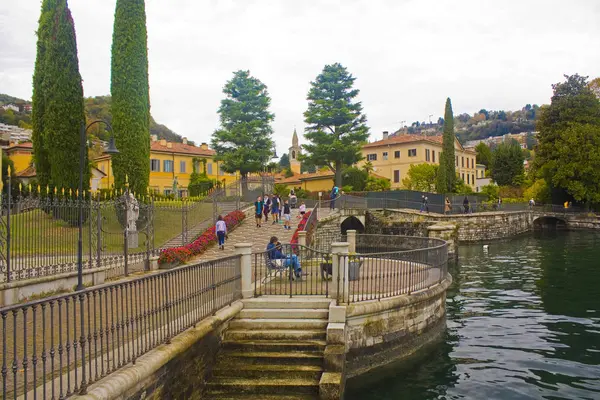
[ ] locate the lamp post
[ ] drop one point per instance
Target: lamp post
(110, 150)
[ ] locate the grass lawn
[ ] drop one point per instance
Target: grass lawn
(36, 232)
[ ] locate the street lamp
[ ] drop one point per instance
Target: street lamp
(112, 149)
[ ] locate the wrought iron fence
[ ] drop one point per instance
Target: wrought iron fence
(311, 225)
(387, 266)
(292, 270)
(57, 346)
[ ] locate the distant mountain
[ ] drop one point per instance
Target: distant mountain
(95, 108)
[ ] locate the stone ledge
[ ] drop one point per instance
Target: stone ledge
(374, 307)
(128, 378)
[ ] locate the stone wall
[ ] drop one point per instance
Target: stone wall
(385, 331)
(470, 227)
(171, 371)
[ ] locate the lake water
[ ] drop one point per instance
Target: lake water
(523, 322)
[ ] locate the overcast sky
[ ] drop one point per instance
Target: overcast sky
(407, 55)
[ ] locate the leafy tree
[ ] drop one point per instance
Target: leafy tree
(538, 191)
(288, 172)
(355, 177)
(507, 163)
(491, 191)
(447, 171)
(63, 102)
(244, 141)
(530, 141)
(284, 161)
(594, 86)
(461, 187)
(130, 106)
(335, 125)
(484, 154)
(421, 177)
(377, 184)
(40, 154)
(568, 131)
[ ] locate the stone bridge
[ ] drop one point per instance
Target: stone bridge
(468, 227)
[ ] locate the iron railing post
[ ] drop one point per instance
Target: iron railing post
(98, 233)
(126, 231)
(8, 235)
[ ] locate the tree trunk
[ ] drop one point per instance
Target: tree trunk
(338, 174)
(244, 177)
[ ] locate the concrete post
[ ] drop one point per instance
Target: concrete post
(245, 251)
(351, 234)
(302, 238)
(339, 282)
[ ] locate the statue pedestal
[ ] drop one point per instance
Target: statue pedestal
(132, 240)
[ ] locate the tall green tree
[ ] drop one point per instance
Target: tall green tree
(40, 154)
(63, 103)
(130, 106)
(335, 124)
(421, 177)
(446, 177)
(284, 161)
(484, 154)
(243, 143)
(567, 149)
(507, 164)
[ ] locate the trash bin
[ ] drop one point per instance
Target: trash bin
(354, 270)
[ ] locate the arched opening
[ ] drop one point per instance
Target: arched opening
(352, 223)
(549, 223)
(293, 154)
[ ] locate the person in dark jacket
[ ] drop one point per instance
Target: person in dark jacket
(274, 253)
(258, 209)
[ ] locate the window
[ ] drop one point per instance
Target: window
(427, 155)
(463, 176)
(371, 157)
(412, 152)
(467, 163)
(462, 162)
(168, 192)
(468, 176)
(384, 156)
(293, 154)
(181, 166)
(397, 154)
(473, 163)
(155, 165)
(457, 161)
(209, 168)
(472, 179)
(396, 176)
(433, 155)
(168, 166)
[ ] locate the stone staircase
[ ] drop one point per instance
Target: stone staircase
(273, 349)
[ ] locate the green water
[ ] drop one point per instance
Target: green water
(523, 322)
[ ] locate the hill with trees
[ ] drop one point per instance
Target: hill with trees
(95, 108)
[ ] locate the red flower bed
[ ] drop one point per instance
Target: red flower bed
(202, 242)
(301, 226)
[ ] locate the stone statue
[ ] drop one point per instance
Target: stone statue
(133, 213)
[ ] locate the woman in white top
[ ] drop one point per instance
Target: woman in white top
(221, 229)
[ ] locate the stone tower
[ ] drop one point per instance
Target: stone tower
(294, 154)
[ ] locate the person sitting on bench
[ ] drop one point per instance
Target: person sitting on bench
(274, 253)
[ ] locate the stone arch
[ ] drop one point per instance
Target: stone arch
(293, 154)
(351, 223)
(549, 223)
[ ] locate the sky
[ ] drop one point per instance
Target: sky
(407, 55)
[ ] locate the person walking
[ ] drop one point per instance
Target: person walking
(258, 210)
(221, 230)
(499, 203)
(287, 216)
(423, 203)
(447, 206)
(466, 204)
(267, 207)
(333, 196)
(275, 209)
(531, 203)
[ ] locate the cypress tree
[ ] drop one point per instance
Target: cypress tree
(63, 102)
(40, 155)
(446, 178)
(130, 106)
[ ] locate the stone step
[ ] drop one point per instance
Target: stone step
(260, 386)
(283, 313)
(281, 323)
(247, 396)
(235, 358)
(274, 345)
(270, 371)
(275, 334)
(284, 302)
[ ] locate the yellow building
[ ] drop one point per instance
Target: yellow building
(169, 163)
(21, 155)
(392, 157)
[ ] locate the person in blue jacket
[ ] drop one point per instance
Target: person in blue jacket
(274, 253)
(333, 196)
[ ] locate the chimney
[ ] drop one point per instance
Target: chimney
(204, 146)
(154, 138)
(169, 145)
(163, 142)
(184, 140)
(385, 135)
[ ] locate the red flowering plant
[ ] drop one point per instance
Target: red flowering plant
(301, 226)
(201, 243)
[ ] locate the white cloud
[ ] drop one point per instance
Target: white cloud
(408, 56)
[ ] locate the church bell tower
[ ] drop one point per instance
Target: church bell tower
(294, 154)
